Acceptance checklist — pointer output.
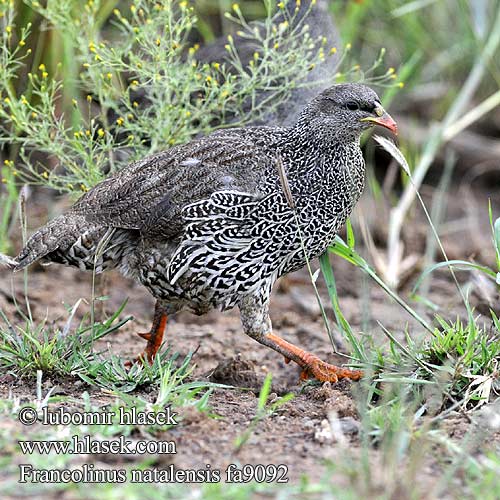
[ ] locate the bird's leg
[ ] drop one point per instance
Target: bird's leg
(257, 324)
(154, 337)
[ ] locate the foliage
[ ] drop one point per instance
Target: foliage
(139, 86)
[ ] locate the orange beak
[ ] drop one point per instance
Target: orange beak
(384, 120)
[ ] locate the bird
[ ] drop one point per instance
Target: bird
(213, 223)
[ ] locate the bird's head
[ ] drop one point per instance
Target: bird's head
(344, 111)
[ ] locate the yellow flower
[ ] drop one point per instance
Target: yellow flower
(120, 121)
(333, 50)
(158, 42)
(100, 132)
(89, 98)
(109, 76)
(8, 29)
(45, 74)
(87, 133)
(401, 85)
(45, 175)
(22, 43)
(74, 102)
(42, 67)
(135, 104)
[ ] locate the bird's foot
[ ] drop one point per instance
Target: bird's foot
(154, 338)
(147, 356)
(145, 335)
(325, 372)
(311, 365)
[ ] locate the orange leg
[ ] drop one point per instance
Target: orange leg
(154, 337)
(311, 365)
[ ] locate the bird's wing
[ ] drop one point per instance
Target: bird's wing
(149, 195)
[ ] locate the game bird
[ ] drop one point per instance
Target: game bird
(215, 222)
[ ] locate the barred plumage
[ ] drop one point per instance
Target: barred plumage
(208, 224)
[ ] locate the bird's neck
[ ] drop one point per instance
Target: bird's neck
(305, 149)
(314, 164)
(306, 139)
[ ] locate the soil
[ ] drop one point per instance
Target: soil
(298, 435)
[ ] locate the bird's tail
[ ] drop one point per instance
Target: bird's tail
(59, 233)
(7, 261)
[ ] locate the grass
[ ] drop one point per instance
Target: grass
(264, 410)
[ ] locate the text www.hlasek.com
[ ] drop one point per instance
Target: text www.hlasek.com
(83, 445)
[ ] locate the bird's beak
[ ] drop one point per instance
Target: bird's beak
(383, 119)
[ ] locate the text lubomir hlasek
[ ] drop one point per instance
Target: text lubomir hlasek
(126, 416)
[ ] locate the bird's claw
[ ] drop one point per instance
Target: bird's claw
(145, 356)
(325, 372)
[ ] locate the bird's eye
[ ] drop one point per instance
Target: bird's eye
(352, 105)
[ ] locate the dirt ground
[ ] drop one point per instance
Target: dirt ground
(295, 436)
